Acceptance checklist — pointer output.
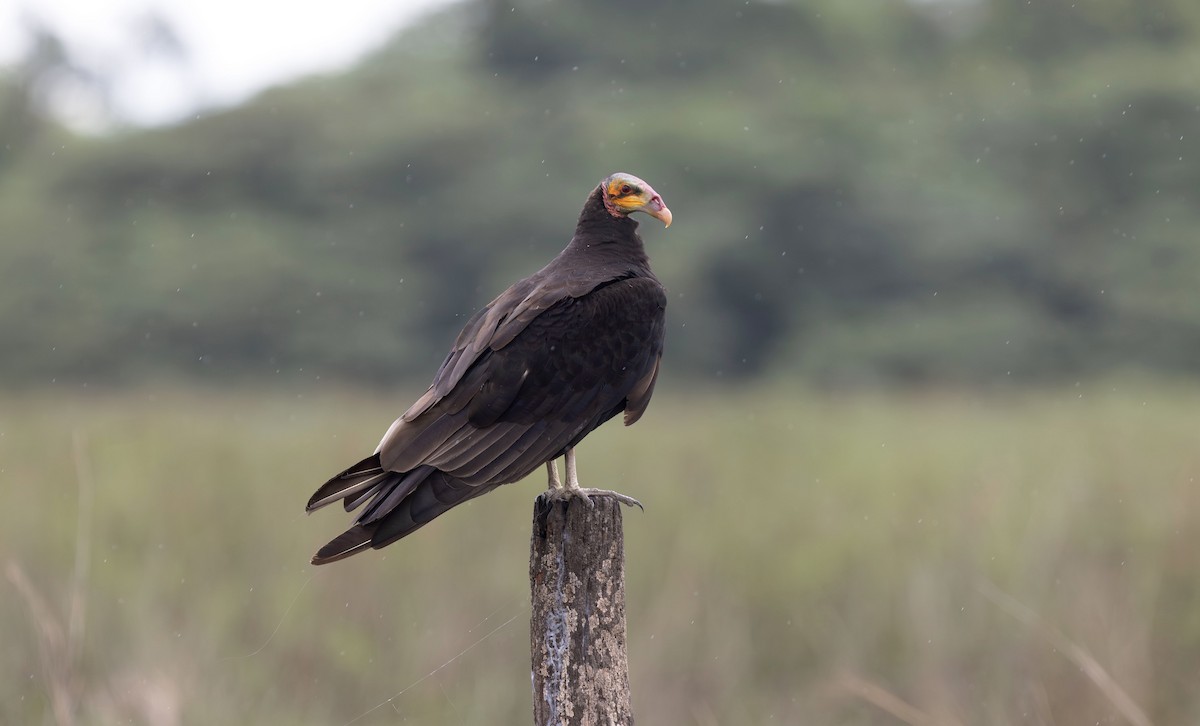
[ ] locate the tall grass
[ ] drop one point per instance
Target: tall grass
(933, 558)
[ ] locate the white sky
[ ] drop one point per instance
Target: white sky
(235, 47)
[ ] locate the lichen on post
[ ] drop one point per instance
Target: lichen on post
(577, 629)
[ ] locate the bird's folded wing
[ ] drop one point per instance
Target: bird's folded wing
(514, 309)
(639, 398)
(506, 317)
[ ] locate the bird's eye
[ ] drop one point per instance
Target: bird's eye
(626, 189)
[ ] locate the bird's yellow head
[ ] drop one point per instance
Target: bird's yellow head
(625, 194)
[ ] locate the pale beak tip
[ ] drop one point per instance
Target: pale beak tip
(659, 211)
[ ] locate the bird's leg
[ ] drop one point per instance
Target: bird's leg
(572, 488)
(572, 470)
(555, 483)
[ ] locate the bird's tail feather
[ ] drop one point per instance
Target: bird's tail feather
(399, 510)
(355, 501)
(363, 475)
(388, 493)
(436, 495)
(354, 540)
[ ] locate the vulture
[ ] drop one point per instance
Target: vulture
(530, 375)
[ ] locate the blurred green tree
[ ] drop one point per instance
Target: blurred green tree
(968, 191)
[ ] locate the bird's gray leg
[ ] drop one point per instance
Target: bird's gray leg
(572, 471)
(572, 488)
(555, 484)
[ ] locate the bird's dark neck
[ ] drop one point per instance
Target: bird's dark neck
(600, 228)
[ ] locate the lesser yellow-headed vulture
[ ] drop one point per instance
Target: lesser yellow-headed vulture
(531, 374)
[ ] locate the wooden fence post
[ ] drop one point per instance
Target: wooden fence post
(577, 630)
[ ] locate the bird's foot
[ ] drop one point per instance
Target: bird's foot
(560, 492)
(566, 494)
(622, 498)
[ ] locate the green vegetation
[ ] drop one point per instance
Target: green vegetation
(795, 546)
(898, 192)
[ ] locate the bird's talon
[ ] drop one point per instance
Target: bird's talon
(584, 496)
(622, 498)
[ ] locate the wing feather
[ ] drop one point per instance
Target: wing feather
(639, 398)
(499, 462)
(483, 447)
(420, 441)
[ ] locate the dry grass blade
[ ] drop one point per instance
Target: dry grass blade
(854, 685)
(1073, 651)
(60, 648)
(52, 646)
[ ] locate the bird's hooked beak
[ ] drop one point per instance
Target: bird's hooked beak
(655, 208)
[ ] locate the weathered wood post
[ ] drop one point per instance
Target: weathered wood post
(577, 630)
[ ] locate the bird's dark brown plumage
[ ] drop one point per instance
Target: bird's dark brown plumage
(531, 374)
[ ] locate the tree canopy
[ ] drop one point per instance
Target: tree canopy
(969, 190)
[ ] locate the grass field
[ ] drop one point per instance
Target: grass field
(935, 558)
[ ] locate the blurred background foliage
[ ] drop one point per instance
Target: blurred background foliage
(960, 190)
